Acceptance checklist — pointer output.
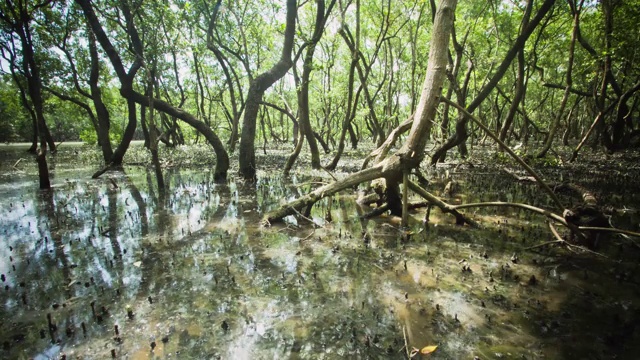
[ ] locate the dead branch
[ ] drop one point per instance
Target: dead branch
(445, 207)
(538, 210)
(611, 230)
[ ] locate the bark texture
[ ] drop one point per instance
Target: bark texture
(257, 87)
(410, 154)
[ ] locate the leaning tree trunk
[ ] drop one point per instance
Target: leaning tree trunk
(567, 91)
(257, 87)
(34, 87)
(128, 92)
(520, 86)
(102, 114)
(461, 126)
(412, 152)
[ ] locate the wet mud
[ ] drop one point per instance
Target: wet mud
(115, 268)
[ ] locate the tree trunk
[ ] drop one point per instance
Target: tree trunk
(34, 87)
(412, 152)
(257, 87)
(102, 114)
(132, 96)
(303, 93)
(520, 87)
(567, 91)
(129, 131)
(348, 116)
(302, 86)
(461, 126)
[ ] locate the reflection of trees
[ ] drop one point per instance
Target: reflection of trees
(60, 261)
(140, 202)
(164, 221)
(158, 257)
(114, 224)
(48, 204)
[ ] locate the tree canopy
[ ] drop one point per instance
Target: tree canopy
(332, 73)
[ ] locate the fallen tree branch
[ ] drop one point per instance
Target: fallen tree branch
(445, 207)
(611, 230)
(538, 210)
(327, 190)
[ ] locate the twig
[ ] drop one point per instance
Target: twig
(379, 267)
(329, 172)
(306, 218)
(586, 250)
(15, 166)
(544, 244)
(613, 230)
(406, 344)
(308, 236)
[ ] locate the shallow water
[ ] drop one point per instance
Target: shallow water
(191, 273)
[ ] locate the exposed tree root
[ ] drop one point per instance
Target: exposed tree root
(560, 240)
(327, 190)
(461, 219)
(540, 211)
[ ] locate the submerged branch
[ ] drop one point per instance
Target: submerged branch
(538, 210)
(445, 207)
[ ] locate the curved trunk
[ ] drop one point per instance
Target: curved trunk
(222, 163)
(257, 87)
(132, 96)
(461, 134)
(129, 131)
(411, 153)
(102, 114)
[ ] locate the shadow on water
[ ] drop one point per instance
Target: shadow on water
(113, 267)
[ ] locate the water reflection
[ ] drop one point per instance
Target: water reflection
(126, 270)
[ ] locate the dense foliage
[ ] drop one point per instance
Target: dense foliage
(576, 66)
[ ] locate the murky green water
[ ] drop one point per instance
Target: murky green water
(124, 271)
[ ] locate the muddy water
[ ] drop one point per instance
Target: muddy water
(124, 271)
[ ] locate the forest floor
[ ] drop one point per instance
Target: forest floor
(110, 267)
